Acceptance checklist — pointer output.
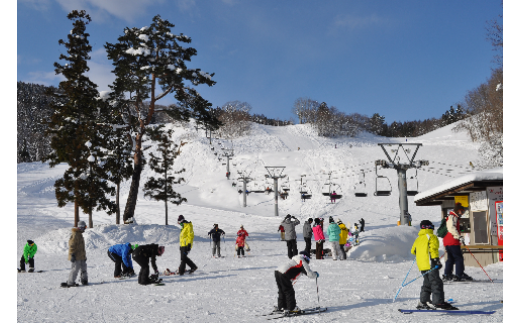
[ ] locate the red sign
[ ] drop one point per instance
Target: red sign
(499, 207)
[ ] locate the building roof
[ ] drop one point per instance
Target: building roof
(472, 182)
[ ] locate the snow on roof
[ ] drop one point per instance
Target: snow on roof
(487, 175)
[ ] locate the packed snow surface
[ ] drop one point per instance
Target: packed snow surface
(230, 289)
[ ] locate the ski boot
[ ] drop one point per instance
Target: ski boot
(67, 285)
(21, 271)
(446, 306)
(446, 278)
(296, 310)
(192, 270)
(31, 270)
(466, 277)
(425, 306)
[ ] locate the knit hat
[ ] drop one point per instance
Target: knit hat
(310, 220)
(306, 256)
(160, 251)
(30, 242)
(331, 220)
(426, 224)
(180, 218)
(317, 220)
(288, 216)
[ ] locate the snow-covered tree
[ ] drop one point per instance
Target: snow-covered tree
(161, 189)
(235, 119)
(149, 63)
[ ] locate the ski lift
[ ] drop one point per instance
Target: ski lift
(333, 187)
(360, 189)
(223, 164)
(413, 179)
(381, 179)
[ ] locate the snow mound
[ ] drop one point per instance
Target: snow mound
(390, 244)
(105, 235)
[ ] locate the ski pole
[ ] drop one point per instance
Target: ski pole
(401, 287)
(429, 271)
(480, 265)
(317, 294)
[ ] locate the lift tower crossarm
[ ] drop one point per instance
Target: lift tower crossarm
(382, 145)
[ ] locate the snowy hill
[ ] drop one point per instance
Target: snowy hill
(232, 289)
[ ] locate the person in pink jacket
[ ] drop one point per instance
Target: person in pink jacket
(319, 237)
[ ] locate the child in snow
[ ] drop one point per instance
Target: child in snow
(289, 226)
(343, 237)
(282, 232)
(241, 241)
(286, 275)
(186, 242)
(355, 233)
(142, 255)
(319, 238)
(426, 250)
(333, 231)
(28, 256)
(77, 256)
(215, 234)
(121, 255)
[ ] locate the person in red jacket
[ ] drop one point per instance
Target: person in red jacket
(281, 229)
(241, 241)
(452, 242)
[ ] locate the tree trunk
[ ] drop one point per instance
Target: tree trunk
(76, 213)
(166, 198)
(166, 211)
(132, 195)
(90, 222)
(118, 213)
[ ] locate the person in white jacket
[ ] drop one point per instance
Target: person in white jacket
(286, 275)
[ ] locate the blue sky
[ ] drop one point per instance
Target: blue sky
(407, 60)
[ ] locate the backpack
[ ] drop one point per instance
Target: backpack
(442, 231)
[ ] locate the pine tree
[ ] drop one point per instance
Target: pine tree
(144, 60)
(161, 189)
(75, 134)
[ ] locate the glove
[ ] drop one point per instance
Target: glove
(462, 241)
(73, 258)
(317, 274)
(436, 262)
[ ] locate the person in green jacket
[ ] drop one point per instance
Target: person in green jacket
(426, 250)
(334, 232)
(28, 256)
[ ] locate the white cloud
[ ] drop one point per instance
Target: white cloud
(44, 78)
(127, 10)
(186, 5)
(353, 22)
(40, 5)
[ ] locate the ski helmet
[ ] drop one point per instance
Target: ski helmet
(82, 225)
(317, 220)
(305, 256)
(180, 218)
(331, 220)
(30, 242)
(310, 220)
(288, 216)
(215, 225)
(426, 224)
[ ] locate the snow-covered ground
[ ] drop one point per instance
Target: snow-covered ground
(236, 290)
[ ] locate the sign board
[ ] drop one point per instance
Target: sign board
(478, 201)
(463, 200)
(499, 209)
(494, 194)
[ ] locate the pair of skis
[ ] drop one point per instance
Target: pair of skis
(456, 312)
(308, 311)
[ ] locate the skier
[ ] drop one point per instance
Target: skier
(333, 231)
(289, 226)
(282, 232)
(215, 234)
(121, 254)
(452, 241)
(286, 275)
(307, 235)
(142, 255)
(241, 241)
(333, 197)
(426, 250)
(362, 223)
(77, 256)
(318, 237)
(29, 250)
(185, 243)
(343, 237)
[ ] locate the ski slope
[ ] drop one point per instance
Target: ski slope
(236, 290)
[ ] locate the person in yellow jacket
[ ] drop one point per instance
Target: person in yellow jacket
(426, 250)
(343, 237)
(186, 242)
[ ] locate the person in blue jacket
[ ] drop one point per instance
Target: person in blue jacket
(121, 254)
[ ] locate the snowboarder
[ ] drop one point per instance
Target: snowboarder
(307, 235)
(215, 234)
(28, 256)
(452, 241)
(77, 256)
(333, 231)
(362, 223)
(121, 254)
(286, 275)
(318, 237)
(142, 255)
(241, 241)
(185, 243)
(343, 237)
(426, 250)
(333, 197)
(282, 232)
(290, 234)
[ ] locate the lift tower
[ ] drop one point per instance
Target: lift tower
(275, 172)
(228, 153)
(401, 168)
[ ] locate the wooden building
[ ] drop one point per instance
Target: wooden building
(481, 194)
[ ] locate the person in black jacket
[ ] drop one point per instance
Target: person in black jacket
(215, 234)
(307, 235)
(362, 223)
(142, 255)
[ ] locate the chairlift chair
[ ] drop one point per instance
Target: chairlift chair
(380, 192)
(361, 192)
(335, 186)
(415, 191)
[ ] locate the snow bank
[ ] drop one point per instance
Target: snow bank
(391, 244)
